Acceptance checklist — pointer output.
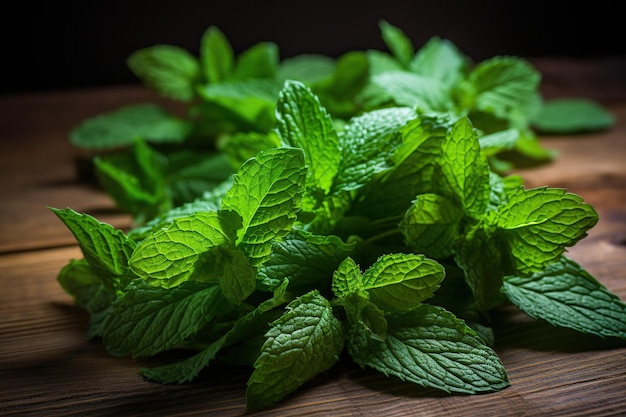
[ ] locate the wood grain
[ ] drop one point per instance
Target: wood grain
(49, 368)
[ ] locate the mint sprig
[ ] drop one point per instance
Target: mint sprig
(358, 212)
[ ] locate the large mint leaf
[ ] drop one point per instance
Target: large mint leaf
(431, 225)
(173, 254)
(367, 143)
(105, 248)
(306, 340)
(216, 56)
(566, 295)
(266, 193)
(465, 169)
(400, 282)
(170, 70)
(148, 320)
(303, 123)
(347, 278)
(122, 127)
(539, 223)
(432, 348)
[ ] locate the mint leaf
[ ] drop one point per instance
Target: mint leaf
(172, 71)
(266, 193)
(306, 340)
(465, 168)
(398, 43)
(564, 294)
(400, 282)
(303, 123)
(174, 254)
(539, 223)
(432, 225)
(260, 61)
(306, 260)
(432, 348)
(148, 320)
(572, 115)
(414, 90)
(440, 59)
(105, 248)
(216, 56)
(122, 127)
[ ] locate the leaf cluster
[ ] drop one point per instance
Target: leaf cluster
(362, 215)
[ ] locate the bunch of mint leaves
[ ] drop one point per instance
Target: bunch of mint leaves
(310, 210)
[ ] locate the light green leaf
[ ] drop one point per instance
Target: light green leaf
(237, 278)
(307, 68)
(440, 59)
(170, 70)
(173, 254)
(572, 115)
(400, 282)
(565, 295)
(504, 86)
(398, 43)
(149, 320)
(414, 90)
(216, 56)
(367, 143)
(303, 123)
(259, 61)
(266, 193)
(502, 140)
(431, 226)
(538, 224)
(347, 278)
(122, 127)
(305, 341)
(465, 169)
(431, 348)
(105, 248)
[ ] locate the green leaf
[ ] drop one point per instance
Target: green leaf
(538, 224)
(347, 278)
(572, 115)
(171, 71)
(241, 146)
(237, 277)
(122, 127)
(306, 260)
(503, 140)
(504, 85)
(266, 193)
(259, 61)
(172, 255)
(566, 295)
(305, 341)
(105, 248)
(398, 43)
(431, 348)
(400, 282)
(149, 320)
(216, 56)
(414, 90)
(78, 279)
(307, 68)
(367, 143)
(431, 225)
(465, 168)
(440, 59)
(303, 123)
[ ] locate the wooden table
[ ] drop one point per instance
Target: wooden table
(48, 367)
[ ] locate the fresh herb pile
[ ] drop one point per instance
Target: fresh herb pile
(312, 208)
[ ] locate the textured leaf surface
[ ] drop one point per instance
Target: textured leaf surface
(565, 295)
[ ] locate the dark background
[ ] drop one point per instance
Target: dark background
(68, 45)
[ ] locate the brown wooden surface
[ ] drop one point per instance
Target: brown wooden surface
(48, 367)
